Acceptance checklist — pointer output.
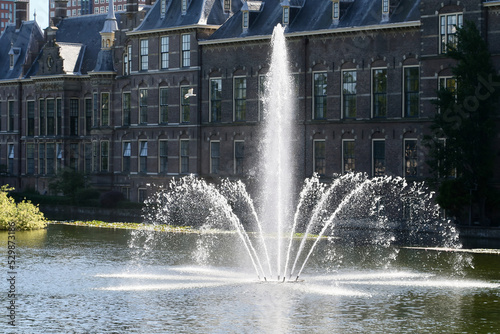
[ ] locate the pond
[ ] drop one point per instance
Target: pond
(74, 279)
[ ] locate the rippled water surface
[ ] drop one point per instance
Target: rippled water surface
(90, 280)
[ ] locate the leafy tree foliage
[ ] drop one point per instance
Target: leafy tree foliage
(24, 215)
(461, 152)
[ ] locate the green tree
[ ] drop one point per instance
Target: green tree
(24, 215)
(461, 152)
(68, 182)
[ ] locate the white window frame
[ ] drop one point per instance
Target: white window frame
(314, 153)
(211, 157)
(403, 88)
(373, 156)
(343, 154)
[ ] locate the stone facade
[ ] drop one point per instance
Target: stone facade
(178, 90)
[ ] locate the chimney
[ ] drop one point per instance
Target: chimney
(60, 11)
(21, 12)
(132, 6)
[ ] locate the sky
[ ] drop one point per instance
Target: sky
(42, 12)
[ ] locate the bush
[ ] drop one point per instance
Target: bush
(87, 194)
(25, 215)
(111, 198)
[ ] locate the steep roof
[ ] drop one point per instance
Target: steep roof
(199, 12)
(317, 15)
(18, 42)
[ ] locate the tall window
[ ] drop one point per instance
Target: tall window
(163, 105)
(127, 152)
(379, 92)
(239, 156)
(143, 156)
(10, 110)
(10, 156)
(215, 100)
(378, 153)
(104, 156)
(41, 159)
(185, 105)
(319, 157)
(126, 108)
(50, 157)
(348, 156)
(51, 124)
(163, 8)
(227, 5)
(88, 157)
(41, 111)
(385, 6)
(240, 98)
(30, 106)
(448, 30)
(144, 54)
(319, 104)
(73, 116)
(164, 49)
(244, 22)
(186, 50)
(74, 155)
(184, 6)
(411, 91)
(59, 116)
(349, 94)
(163, 156)
(95, 155)
(30, 158)
(104, 109)
(335, 10)
(262, 94)
(410, 158)
(143, 106)
(286, 15)
(88, 116)
(214, 157)
(96, 109)
(127, 61)
(184, 153)
(59, 156)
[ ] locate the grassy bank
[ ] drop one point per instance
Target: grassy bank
(129, 226)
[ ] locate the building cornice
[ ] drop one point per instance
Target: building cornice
(334, 31)
(491, 4)
(181, 28)
(58, 77)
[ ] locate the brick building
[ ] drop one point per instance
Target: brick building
(135, 98)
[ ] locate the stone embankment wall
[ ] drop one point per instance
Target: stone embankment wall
(65, 212)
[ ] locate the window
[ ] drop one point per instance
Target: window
(41, 159)
(163, 7)
(186, 50)
(215, 100)
(59, 156)
(30, 106)
(449, 83)
(348, 156)
(378, 153)
(127, 61)
(349, 94)
(143, 156)
(59, 121)
(11, 115)
(30, 158)
(104, 156)
(88, 157)
(51, 117)
(11, 157)
(50, 157)
(214, 157)
(127, 152)
(163, 156)
(319, 157)
(448, 30)
(163, 106)
(41, 110)
(379, 92)
(240, 99)
(164, 50)
(184, 6)
(104, 109)
(142, 195)
(319, 104)
(144, 54)
(185, 105)
(126, 108)
(73, 116)
(239, 156)
(286, 15)
(74, 156)
(126, 192)
(227, 5)
(95, 152)
(411, 91)
(335, 10)
(143, 106)
(88, 116)
(262, 94)
(385, 6)
(245, 20)
(410, 158)
(96, 109)
(184, 153)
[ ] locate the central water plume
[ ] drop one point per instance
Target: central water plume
(276, 184)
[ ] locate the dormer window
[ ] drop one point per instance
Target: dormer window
(227, 5)
(335, 10)
(385, 6)
(286, 15)
(11, 61)
(245, 20)
(163, 8)
(184, 6)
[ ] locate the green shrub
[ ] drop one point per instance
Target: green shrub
(25, 215)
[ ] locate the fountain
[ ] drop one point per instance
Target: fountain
(353, 207)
